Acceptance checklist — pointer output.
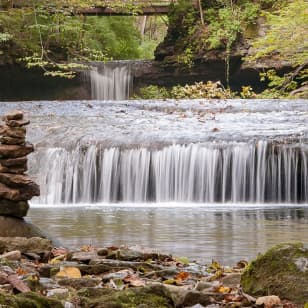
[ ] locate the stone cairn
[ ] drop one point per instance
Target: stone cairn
(16, 188)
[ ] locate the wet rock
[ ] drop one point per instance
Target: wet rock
(9, 193)
(118, 264)
(126, 254)
(203, 285)
(13, 162)
(83, 256)
(14, 115)
(13, 208)
(23, 244)
(12, 141)
(280, 271)
(202, 298)
(102, 252)
(268, 301)
(14, 151)
(14, 170)
(17, 123)
(117, 275)
(14, 255)
(13, 132)
(19, 181)
(177, 294)
(59, 293)
(32, 256)
(48, 270)
(15, 194)
(232, 280)
(79, 283)
(16, 227)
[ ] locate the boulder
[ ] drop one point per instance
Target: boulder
(13, 151)
(13, 208)
(23, 244)
(281, 271)
(14, 115)
(13, 132)
(13, 226)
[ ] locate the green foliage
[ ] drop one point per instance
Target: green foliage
(209, 90)
(285, 42)
(247, 92)
(54, 37)
(154, 92)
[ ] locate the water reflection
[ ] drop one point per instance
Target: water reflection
(202, 233)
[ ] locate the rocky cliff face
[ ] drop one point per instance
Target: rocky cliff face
(187, 43)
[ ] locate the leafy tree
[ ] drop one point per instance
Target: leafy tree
(285, 41)
(52, 35)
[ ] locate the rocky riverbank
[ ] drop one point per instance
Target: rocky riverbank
(33, 273)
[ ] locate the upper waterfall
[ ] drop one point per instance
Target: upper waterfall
(110, 80)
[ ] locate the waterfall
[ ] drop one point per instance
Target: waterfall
(254, 172)
(110, 81)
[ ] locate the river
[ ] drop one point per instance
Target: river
(205, 179)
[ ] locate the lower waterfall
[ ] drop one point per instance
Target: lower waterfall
(255, 172)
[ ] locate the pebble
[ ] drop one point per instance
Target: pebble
(12, 255)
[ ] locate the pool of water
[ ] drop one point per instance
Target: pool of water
(226, 233)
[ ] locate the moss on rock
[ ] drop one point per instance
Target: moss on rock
(139, 297)
(28, 300)
(282, 271)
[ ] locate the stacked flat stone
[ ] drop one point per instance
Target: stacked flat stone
(16, 188)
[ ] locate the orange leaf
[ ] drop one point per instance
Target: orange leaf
(223, 289)
(182, 276)
(69, 272)
(59, 251)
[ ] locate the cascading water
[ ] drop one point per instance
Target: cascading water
(255, 172)
(110, 81)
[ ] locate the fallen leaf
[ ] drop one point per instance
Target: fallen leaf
(69, 272)
(134, 281)
(215, 266)
(169, 281)
(20, 271)
(183, 260)
(57, 259)
(181, 276)
(218, 274)
(268, 301)
(223, 289)
(17, 283)
(87, 248)
(59, 251)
